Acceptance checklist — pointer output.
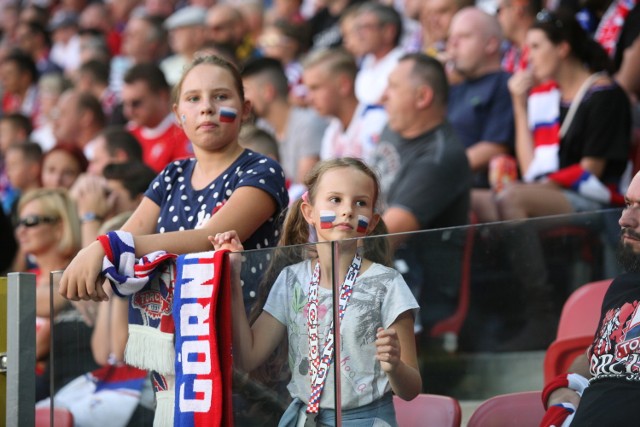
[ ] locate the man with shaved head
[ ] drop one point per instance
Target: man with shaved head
(480, 106)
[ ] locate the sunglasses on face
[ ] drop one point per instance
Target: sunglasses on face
(34, 220)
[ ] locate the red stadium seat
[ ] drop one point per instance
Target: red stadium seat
(523, 409)
(577, 327)
(61, 417)
(428, 410)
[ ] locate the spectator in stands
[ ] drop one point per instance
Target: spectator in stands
(93, 77)
(380, 29)
(350, 34)
(14, 129)
(288, 10)
(96, 17)
(62, 165)
(260, 141)
(354, 129)
(252, 203)
(298, 130)
(65, 51)
(435, 17)
(23, 163)
(187, 34)
(93, 46)
(627, 55)
(50, 88)
(596, 138)
(118, 191)
(78, 120)
(18, 78)
(611, 362)
(425, 176)
(325, 23)
(34, 40)
(286, 42)
(516, 17)
(480, 108)
(144, 40)
(35, 13)
(594, 126)
(226, 27)
(9, 22)
(146, 103)
(114, 145)
(49, 231)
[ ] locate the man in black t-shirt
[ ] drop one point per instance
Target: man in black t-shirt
(613, 360)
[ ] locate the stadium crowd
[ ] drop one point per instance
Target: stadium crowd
(468, 112)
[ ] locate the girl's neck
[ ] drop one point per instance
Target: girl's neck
(345, 257)
(210, 165)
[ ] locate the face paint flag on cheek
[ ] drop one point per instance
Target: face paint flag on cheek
(228, 114)
(327, 218)
(363, 223)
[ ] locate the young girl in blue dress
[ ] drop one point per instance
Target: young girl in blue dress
(223, 187)
(378, 354)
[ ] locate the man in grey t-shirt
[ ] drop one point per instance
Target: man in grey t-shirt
(425, 180)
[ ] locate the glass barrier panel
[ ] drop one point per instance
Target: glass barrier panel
(490, 297)
(3, 346)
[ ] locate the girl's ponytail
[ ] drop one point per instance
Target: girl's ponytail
(295, 230)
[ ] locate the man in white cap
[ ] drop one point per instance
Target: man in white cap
(187, 35)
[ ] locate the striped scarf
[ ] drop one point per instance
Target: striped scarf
(189, 352)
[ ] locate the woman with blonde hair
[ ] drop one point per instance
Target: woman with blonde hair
(48, 231)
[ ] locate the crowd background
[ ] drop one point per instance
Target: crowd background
(86, 112)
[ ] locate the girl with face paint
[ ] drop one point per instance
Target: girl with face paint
(223, 187)
(377, 309)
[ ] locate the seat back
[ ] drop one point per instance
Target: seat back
(61, 417)
(428, 410)
(577, 327)
(581, 311)
(523, 409)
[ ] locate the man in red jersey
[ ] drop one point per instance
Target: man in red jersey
(146, 103)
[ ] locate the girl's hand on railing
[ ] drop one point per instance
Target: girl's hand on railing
(81, 280)
(229, 240)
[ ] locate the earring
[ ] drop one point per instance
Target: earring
(184, 118)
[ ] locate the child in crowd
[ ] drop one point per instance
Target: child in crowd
(378, 308)
(193, 198)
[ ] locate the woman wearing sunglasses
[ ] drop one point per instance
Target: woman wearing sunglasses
(49, 232)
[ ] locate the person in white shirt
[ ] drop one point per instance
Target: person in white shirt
(380, 30)
(354, 128)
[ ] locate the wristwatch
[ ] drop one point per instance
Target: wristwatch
(90, 216)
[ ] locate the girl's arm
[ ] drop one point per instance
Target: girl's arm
(252, 344)
(245, 210)
(100, 342)
(396, 351)
(81, 279)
